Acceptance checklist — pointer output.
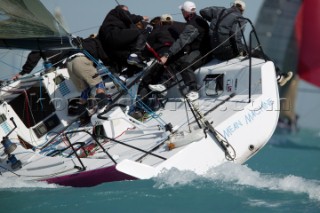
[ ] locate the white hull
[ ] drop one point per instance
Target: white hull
(245, 125)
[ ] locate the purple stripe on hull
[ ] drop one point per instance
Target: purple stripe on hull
(91, 178)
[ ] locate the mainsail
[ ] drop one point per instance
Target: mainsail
(26, 24)
(308, 34)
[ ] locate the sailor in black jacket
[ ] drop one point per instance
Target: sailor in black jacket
(225, 31)
(119, 34)
(164, 34)
(52, 59)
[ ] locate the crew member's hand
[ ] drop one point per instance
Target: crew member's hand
(243, 53)
(145, 18)
(163, 60)
(15, 77)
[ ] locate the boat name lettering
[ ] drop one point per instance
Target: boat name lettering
(247, 119)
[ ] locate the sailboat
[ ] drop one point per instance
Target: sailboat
(295, 46)
(308, 63)
(233, 119)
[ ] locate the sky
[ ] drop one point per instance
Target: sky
(83, 17)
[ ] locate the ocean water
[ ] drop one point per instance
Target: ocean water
(283, 177)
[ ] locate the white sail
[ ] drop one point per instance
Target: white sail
(29, 25)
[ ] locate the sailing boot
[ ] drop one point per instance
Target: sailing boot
(84, 115)
(102, 100)
(159, 88)
(193, 93)
(136, 58)
(284, 78)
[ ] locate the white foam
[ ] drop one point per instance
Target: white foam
(174, 177)
(263, 203)
(16, 183)
(244, 176)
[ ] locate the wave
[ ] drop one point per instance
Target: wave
(16, 183)
(242, 175)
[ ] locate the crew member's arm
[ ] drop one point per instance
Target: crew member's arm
(189, 34)
(32, 61)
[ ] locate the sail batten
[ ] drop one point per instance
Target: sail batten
(26, 24)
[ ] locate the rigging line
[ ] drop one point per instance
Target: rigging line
(41, 70)
(135, 147)
(4, 53)
(139, 101)
(13, 53)
(52, 175)
(186, 99)
(40, 91)
(16, 68)
(206, 55)
(230, 153)
(149, 48)
(10, 171)
(117, 2)
(196, 60)
(61, 131)
(90, 28)
(204, 107)
(153, 114)
(29, 106)
(178, 83)
(54, 55)
(185, 105)
(255, 85)
(228, 98)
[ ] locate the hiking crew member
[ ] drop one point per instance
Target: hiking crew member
(52, 59)
(165, 33)
(191, 45)
(160, 39)
(225, 31)
(120, 36)
(83, 73)
(226, 37)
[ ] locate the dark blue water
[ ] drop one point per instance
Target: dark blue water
(283, 177)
